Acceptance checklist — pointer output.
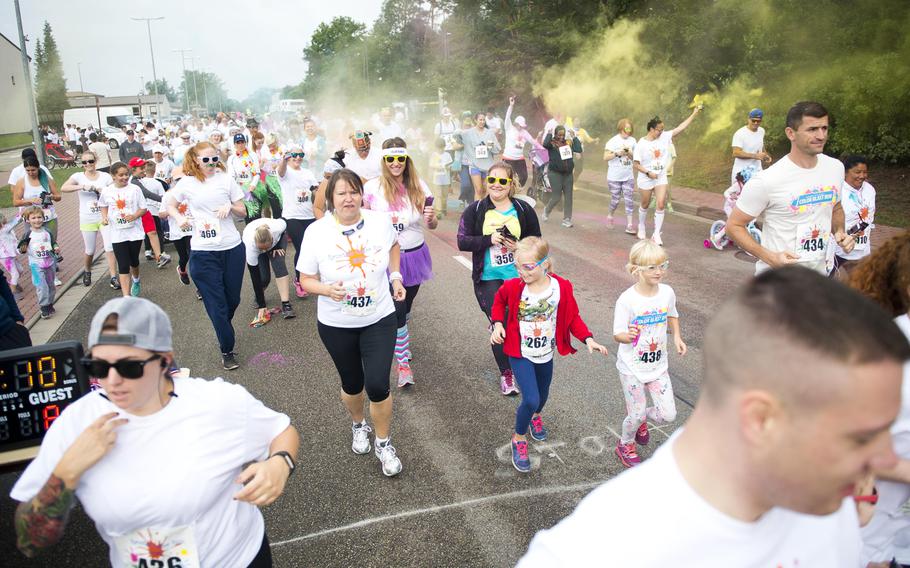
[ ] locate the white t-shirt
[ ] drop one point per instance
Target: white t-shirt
(650, 517)
(89, 207)
(357, 256)
(620, 167)
(276, 228)
(646, 358)
(405, 218)
(209, 232)
(797, 204)
(243, 168)
(367, 168)
(297, 187)
(751, 142)
(172, 469)
(445, 129)
(122, 201)
(102, 154)
(537, 322)
(859, 205)
(19, 173)
(386, 131)
(153, 186)
(164, 168)
(653, 155)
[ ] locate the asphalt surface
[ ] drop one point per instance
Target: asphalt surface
(458, 501)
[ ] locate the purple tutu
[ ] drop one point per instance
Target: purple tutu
(416, 265)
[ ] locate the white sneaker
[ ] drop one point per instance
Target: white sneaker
(57, 282)
(657, 240)
(641, 233)
(361, 442)
(391, 465)
(545, 216)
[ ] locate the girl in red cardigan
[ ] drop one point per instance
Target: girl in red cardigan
(542, 312)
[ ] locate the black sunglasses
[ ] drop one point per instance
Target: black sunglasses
(126, 368)
(88, 161)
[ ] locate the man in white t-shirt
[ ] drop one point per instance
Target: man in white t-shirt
(799, 198)
(364, 160)
(794, 412)
(749, 145)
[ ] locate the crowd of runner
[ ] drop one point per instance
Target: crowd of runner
(354, 199)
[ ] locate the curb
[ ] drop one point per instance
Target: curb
(11, 148)
(64, 288)
(702, 211)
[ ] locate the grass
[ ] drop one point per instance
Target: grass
(60, 176)
(15, 139)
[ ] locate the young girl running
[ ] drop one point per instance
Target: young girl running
(542, 312)
(642, 315)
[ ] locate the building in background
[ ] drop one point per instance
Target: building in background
(144, 106)
(14, 112)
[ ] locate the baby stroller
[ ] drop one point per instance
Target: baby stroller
(540, 183)
(717, 236)
(58, 156)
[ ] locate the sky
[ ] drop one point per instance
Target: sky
(248, 43)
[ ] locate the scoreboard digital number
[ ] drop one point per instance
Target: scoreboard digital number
(36, 384)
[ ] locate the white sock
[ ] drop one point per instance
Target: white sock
(381, 441)
(135, 278)
(658, 221)
(360, 424)
(642, 215)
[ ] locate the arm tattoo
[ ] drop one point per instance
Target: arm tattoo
(41, 521)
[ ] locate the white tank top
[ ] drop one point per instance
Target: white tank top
(35, 191)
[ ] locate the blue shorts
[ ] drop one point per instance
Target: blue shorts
(476, 172)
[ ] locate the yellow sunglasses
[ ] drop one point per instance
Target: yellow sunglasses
(500, 181)
(399, 159)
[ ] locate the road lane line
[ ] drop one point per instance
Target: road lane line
(463, 261)
(439, 508)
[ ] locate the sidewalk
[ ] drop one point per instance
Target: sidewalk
(705, 203)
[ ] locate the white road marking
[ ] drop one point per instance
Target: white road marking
(463, 261)
(439, 508)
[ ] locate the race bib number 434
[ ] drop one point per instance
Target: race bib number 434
(812, 242)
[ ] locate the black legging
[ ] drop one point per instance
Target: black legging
(296, 228)
(127, 255)
(183, 251)
(261, 274)
(485, 290)
(362, 355)
(403, 308)
(520, 167)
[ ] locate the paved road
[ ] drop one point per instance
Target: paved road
(458, 501)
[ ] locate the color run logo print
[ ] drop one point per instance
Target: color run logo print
(149, 549)
(354, 258)
(814, 196)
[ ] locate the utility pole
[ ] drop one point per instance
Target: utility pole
(205, 91)
(148, 27)
(186, 98)
(81, 88)
(32, 110)
(195, 90)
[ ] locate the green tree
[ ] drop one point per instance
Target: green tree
(50, 84)
(206, 86)
(331, 43)
(259, 101)
(164, 88)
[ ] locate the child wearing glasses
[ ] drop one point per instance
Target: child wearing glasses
(542, 313)
(642, 316)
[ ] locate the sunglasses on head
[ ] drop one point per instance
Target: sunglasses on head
(399, 159)
(296, 154)
(500, 181)
(214, 159)
(88, 161)
(126, 368)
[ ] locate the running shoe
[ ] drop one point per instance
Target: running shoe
(287, 312)
(52, 309)
(229, 361)
(58, 257)
(538, 432)
(643, 436)
(148, 255)
(520, 456)
(135, 289)
(391, 465)
(630, 229)
(163, 260)
(298, 288)
(115, 282)
(45, 313)
(57, 282)
(198, 294)
(657, 240)
(361, 438)
(184, 276)
(507, 383)
(567, 223)
(627, 454)
(641, 233)
(545, 216)
(610, 222)
(86, 278)
(405, 376)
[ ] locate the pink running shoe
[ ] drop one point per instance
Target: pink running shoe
(627, 454)
(301, 293)
(507, 383)
(405, 376)
(642, 437)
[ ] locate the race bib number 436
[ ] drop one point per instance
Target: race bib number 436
(158, 548)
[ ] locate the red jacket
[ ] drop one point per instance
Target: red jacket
(567, 317)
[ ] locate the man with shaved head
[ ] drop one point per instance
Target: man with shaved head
(802, 380)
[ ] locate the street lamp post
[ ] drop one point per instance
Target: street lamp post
(148, 27)
(32, 111)
(186, 91)
(81, 88)
(205, 91)
(195, 89)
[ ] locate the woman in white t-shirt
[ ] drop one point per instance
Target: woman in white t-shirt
(651, 158)
(618, 153)
(37, 187)
(344, 259)
(217, 258)
(89, 184)
(171, 469)
(264, 243)
(400, 194)
(179, 236)
(858, 200)
(122, 207)
(298, 186)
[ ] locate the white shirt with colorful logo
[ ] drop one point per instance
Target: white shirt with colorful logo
(646, 357)
(859, 207)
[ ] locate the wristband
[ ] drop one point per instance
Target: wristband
(287, 459)
(395, 276)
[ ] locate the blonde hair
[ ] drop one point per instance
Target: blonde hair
(537, 248)
(645, 253)
(510, 173)
(409, 177)
(191, 168)
(263, 235)
(31, 210)
(623, 123)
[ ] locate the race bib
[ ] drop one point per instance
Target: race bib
(538, 339)
(565, 152)
(158, 548)
(812, 242)
(501, 256)
(303, 196)
(397, 223)
(359, 301)
(39, 248)
(93, 207)
(121, 222)
(207, 230)
(649, 353)
(861, 241)
(481, 152)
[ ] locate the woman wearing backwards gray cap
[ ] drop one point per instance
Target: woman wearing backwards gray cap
(153, 458)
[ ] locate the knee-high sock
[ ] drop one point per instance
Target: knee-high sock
(642, 215)
(402, 346)
(658, 220)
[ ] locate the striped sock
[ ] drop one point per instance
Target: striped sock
(402, 346)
